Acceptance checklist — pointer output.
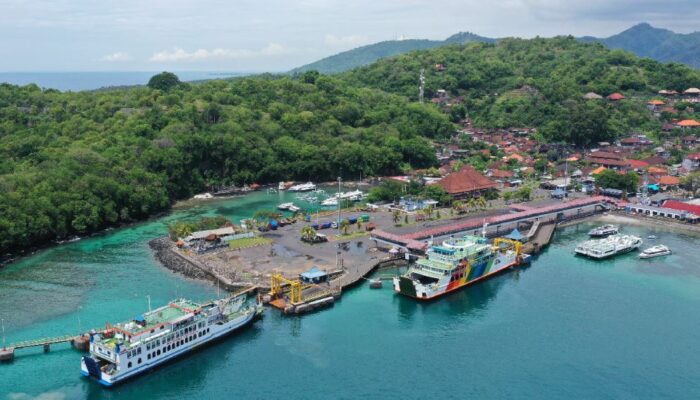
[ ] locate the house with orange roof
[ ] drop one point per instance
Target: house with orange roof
(598, 170)
(637, 164)
(688, 123)
(691, 162)
(466, 183)
(616, 96)
(657, 171)
(668, 182)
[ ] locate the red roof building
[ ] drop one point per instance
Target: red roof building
(637, 164)
(467, 182)
(688, 123)
(616, 96)
(678, 205)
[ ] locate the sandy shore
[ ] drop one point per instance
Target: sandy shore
(640, 220)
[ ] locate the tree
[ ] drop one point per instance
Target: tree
(610, 179)
(396, 215)
(308, 233)
(164, 81)
(344, 226)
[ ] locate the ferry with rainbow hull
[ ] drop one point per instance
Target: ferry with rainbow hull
(456, 263)
(128, 349)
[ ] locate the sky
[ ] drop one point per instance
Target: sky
(277, 35)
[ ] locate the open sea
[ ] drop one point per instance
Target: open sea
(76, 81)
(563, 328)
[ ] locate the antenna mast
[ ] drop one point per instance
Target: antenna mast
(421, 91)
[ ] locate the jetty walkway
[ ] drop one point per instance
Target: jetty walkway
(501, 224)
(80, 342)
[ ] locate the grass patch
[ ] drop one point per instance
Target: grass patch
(351, 235)
(245, 243)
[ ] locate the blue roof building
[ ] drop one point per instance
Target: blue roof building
(314, 275)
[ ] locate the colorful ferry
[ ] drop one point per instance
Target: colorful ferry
(128, 349)
(456, 263)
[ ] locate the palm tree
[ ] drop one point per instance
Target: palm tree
(471, 203)
(481, 202)
(308, 232)
(344, 225)
(359, 224)
(396, 215)
(458, 205)
(429, 211)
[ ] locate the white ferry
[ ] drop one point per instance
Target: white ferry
(128, 349)
(304, 187)
(655, 251)
(608, 247)
(603, 231)
(457, 263)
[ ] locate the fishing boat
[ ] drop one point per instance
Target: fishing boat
(375, 283)
(655, 251)
(131, 348)
(304, 187)
(609, 246)
(603, 231)
(457, 263)
(293, 208)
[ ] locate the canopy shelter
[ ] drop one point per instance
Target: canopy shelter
(515, 235)
(314, 275)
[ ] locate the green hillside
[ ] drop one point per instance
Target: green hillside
(535, 83)
(368, 54)
(73, 163)
(660, 44)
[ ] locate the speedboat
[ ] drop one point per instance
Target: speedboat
(285, 206)
(655, 251)
(603, 231)
(304, 187)
(331, 201)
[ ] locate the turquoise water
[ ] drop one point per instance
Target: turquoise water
(565, 327)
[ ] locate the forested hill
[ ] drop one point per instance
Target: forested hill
(370, 53)
(73, 163)
(645, 40)
(535, 83)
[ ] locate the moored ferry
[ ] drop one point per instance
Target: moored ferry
(128, 349)
(603, 231)
(456, 263)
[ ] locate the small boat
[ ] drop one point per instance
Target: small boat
(651, 237)
(285, 206)
(655, 251)
(304, 187)
(603, 231)
(293, 208)
(203, 196)
(330, 202)
(375, 283)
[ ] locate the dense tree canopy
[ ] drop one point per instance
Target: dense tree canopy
(164, 81)
(72, 163)
(536, 83)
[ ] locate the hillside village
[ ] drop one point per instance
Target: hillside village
(657, 166)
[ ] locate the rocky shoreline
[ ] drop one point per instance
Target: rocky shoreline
(162, 251)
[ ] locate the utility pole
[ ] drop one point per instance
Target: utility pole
(339, 201)
(421, 88)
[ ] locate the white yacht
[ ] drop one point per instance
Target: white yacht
(609, 246)
(655, 251)
(330, 202)
(285, 206)
(304, 187)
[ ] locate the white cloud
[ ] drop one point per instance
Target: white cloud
(345, 41)
(116, 57)
(180, 54)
